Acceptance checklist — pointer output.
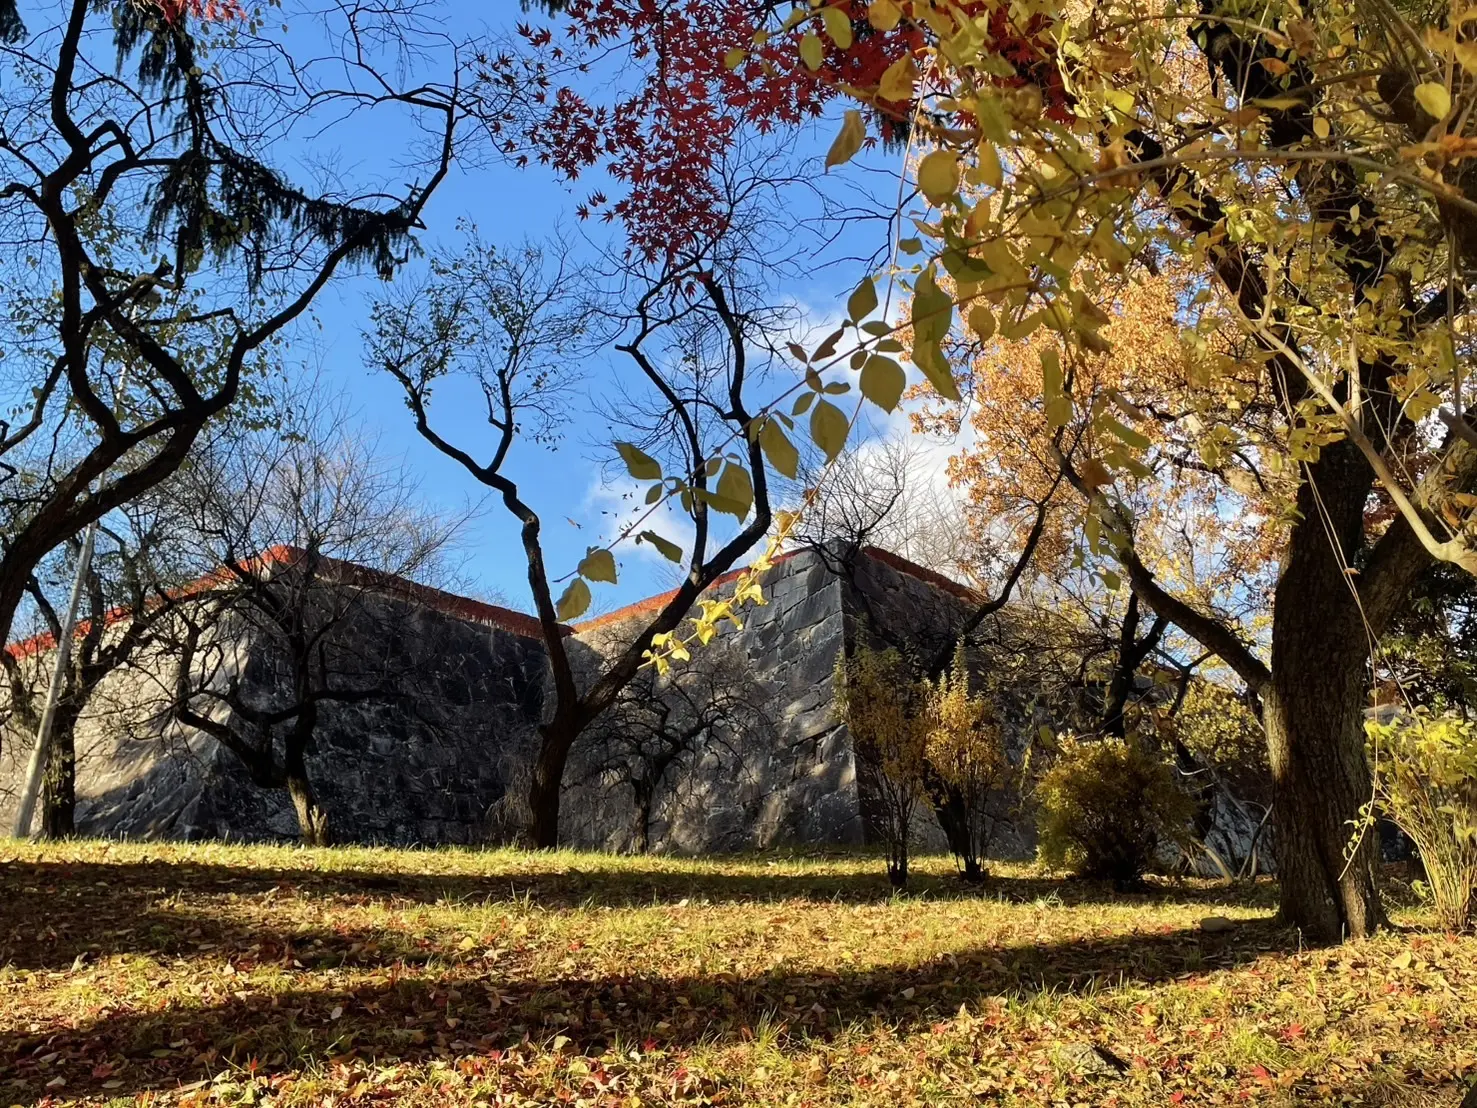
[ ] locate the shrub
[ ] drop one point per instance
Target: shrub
(1107, 806)
(1426, 783)
(877, 699)
(965, 748)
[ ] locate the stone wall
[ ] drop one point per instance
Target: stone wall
(788, 777)
(428, 768)
(451, 763)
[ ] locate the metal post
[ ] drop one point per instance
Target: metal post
(42, 749)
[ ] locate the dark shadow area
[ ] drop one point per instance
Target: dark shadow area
(471, 1007)
(84, 896)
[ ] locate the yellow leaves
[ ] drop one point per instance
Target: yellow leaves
(938, 176)
(829, 428)
(898, 79)
(1434, 98)
(812, 53)
(1058, 403)
(734, 58)
(1120, 100)
(735, 492)
(1320, 126)
(849, 139)
(665, 547)
(982, 322)
(598, 565)
(838, 26)
(778, 448)
(639, 464)
(575, 602)
(883, 381)
(988, 168)
(884, 14)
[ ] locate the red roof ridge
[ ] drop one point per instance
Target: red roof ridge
(661, 600)
(923, 573)
(477, 611)
(458, 607)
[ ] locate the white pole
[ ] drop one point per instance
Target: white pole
(42, 749)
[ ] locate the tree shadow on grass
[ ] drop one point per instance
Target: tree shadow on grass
(466, 1008)
(52, 912)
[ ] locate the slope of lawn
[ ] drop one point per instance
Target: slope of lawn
(264, 975)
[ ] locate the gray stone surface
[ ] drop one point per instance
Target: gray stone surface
(453, 765)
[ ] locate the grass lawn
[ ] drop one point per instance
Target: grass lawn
(213, 974)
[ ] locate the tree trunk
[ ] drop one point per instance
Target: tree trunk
(556, 737)
(312, 820)
(59, 785)
(1314, 713)
(641, 823)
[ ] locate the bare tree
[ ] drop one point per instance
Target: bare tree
(316, 540)
(129, 592)
(660, 726)
(153, 252)
(689, 326)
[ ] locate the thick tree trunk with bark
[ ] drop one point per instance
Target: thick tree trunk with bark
(59, 785)
(312, 820)
(548, 777)
(1314, 711)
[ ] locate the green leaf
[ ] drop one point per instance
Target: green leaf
(778, 448)
(1434, 98)
(933, 308)
(883, 381)
(849, 139)
(654, 493)
(735, 492)
(938, 176)
(989, 168)
(1124, 432)
(811, 51)
(803, 403)
(829, 428)
(668, 549)
(575, 601)
(827, 348)
(928, 356)
(838, 26)
(639, 464)
(598, 565)
(862, 302)
(981, 322)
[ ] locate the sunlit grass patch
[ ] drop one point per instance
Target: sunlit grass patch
(220, 974)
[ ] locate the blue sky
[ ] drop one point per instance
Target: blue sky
(563, 484)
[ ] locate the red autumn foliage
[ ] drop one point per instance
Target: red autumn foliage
(175, 10)
(664, 133)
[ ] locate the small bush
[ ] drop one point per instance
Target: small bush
(1426, 784)
(1107, 806)
(965, 747)
(877, 697)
